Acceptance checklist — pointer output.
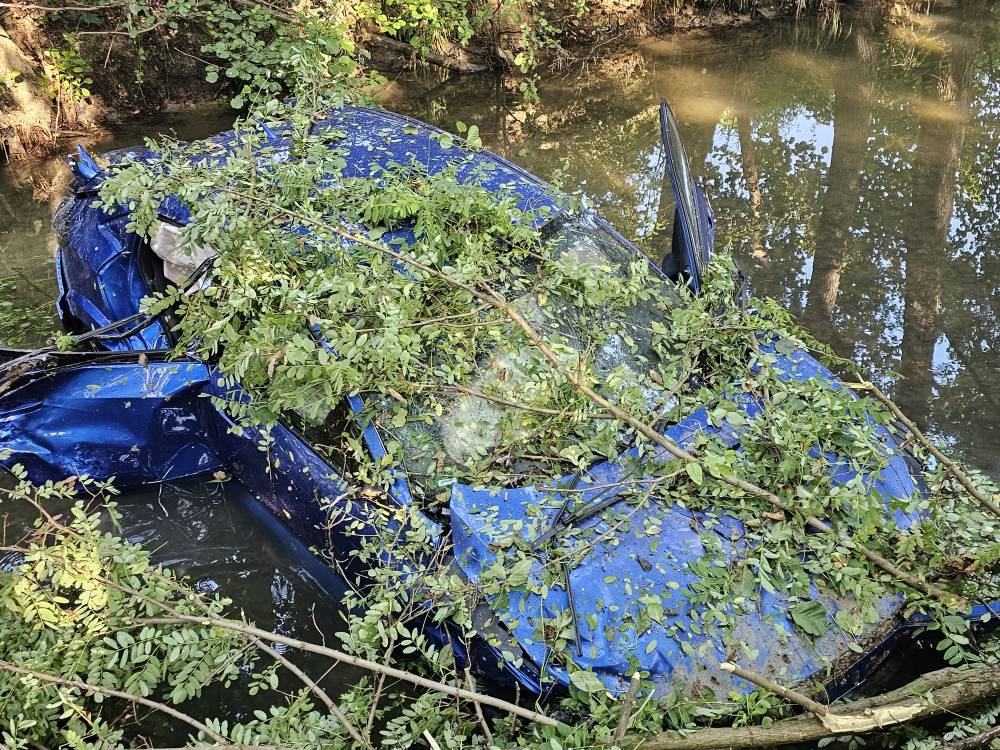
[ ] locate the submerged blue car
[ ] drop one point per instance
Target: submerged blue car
(129, 411)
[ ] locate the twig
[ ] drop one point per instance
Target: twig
(767, 683)
(516, 404)
(356, 661)
(258, 642)
(572, 610)
(623, 722)
(254, 638)
(315, 689)
(379, 687)
(86, 686)
(490, 297)
(983, 739)
(431, 741)
(430, 321)
(470, 681)
(948, 464)
(252, 632)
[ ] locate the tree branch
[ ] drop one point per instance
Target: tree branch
(633, 690)
(315, 689)
(952, 468)
(471, 682)
(491, 298)
(515, 404)
(257, 641)
(357, 661)
(983, 739)
(813, 707)
(951, 689)
(86, 686)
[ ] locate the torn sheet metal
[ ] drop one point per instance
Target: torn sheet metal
(136, 422)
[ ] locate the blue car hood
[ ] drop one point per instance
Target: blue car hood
(641, 571)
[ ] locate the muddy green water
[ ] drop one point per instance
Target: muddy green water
(853, 171)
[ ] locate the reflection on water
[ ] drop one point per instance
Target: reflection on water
(854, 174)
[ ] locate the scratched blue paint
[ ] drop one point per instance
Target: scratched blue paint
(144, 423)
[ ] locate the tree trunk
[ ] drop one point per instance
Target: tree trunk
(25, 110)
(952, 689)
(940, 136)
(853, 100)
(748, 162)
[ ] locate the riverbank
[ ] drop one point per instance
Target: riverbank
(79, 69)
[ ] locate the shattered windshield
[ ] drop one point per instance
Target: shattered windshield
(488, 427)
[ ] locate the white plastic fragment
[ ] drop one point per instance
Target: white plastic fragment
(179, 259)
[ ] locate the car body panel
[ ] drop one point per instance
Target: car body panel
(135, 422)
(645, 566)
(695, 226)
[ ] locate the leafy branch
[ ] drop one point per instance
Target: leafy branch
(487, 296)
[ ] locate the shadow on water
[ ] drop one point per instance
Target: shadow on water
(853, 171)
(222, 540)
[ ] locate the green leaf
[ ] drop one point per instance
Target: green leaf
(810, 617)
(588, 682)
(694, 471)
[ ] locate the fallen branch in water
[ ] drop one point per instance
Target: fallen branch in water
(258, 637)
(262, 645)
(460, 62)
(952, 688)
(952, 468)
(258, 642)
